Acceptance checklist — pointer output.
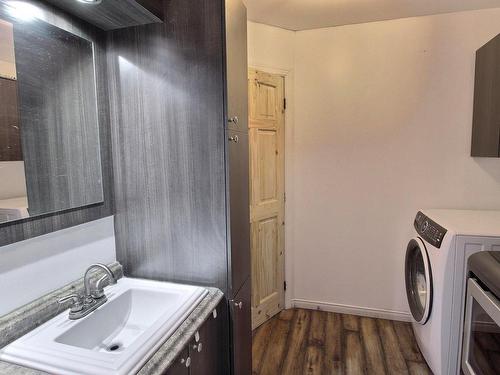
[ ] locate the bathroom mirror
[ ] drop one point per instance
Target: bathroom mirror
(49, 132)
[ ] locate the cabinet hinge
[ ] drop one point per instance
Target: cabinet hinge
(284, 197)
(284, 285)
(284, 103)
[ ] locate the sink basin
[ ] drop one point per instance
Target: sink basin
(117, 338)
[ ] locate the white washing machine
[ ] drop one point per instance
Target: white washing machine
(435, 275)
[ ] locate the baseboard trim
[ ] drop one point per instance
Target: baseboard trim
(353, 310)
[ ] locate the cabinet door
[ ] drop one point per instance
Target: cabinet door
(239, 210)
(181, 364)
(486, 118)
(236, 64)
(208, 348)
(241, 331)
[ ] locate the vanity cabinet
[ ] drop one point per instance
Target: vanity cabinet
(206, 348)
(180, 365)
(241, 325)
(204, 354)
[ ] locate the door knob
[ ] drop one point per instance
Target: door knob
(234, 139)
(239, 305)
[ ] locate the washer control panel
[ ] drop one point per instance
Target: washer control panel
(429, 230)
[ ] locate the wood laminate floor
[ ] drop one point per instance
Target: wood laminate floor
(301, 341)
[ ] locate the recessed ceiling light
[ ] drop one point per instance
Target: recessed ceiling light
(93, 2)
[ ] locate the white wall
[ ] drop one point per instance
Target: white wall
(32, 268)
(13, 179)
(382, 128)
(270, 47)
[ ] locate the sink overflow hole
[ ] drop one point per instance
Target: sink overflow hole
(113, 347)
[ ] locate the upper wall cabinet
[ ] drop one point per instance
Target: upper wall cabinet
(486, 119)
(113, 14)
(236, 65)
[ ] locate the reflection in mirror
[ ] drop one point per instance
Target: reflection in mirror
(49, 135)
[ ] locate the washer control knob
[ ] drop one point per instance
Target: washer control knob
(425, 226)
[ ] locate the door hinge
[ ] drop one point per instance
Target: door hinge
(284, 285)
(284, 197)
(284, 103)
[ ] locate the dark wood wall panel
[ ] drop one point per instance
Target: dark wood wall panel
(58, 114)
(167, 116)
(28, 228)
(10, 138)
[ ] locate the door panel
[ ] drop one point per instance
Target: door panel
(265, 100)
(267, 193)
(264, 235)
(208, 354)
(241, 331)
(180, 366)
(239, 209)
(236, 59)
(267, 165)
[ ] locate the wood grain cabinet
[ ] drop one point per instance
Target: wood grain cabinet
(237, 147)
(180, 365)
(486, 118)
(241, 326)
(237, 180)
(205, 354)
(239, 209)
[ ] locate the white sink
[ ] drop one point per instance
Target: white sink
(117, 338)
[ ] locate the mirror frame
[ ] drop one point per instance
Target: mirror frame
(14, 231)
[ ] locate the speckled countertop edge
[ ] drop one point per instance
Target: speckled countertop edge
(169, 351)
(26, 318)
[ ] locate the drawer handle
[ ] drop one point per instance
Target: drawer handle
(234, 139)
(198, 347)
(234, 120)
(239, 305)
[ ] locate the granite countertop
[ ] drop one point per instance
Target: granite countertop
(27, 318)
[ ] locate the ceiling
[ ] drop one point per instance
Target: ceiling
(312, 14)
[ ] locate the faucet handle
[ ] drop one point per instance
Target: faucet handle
(98, 292)
(76, 302)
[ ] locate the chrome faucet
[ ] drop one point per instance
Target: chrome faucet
(98, 292)
(94, 297)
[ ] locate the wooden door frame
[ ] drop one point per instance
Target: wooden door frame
(288, 134)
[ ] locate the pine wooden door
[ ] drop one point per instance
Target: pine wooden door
(267, 193)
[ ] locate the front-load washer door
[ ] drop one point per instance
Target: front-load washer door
(418, 277)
